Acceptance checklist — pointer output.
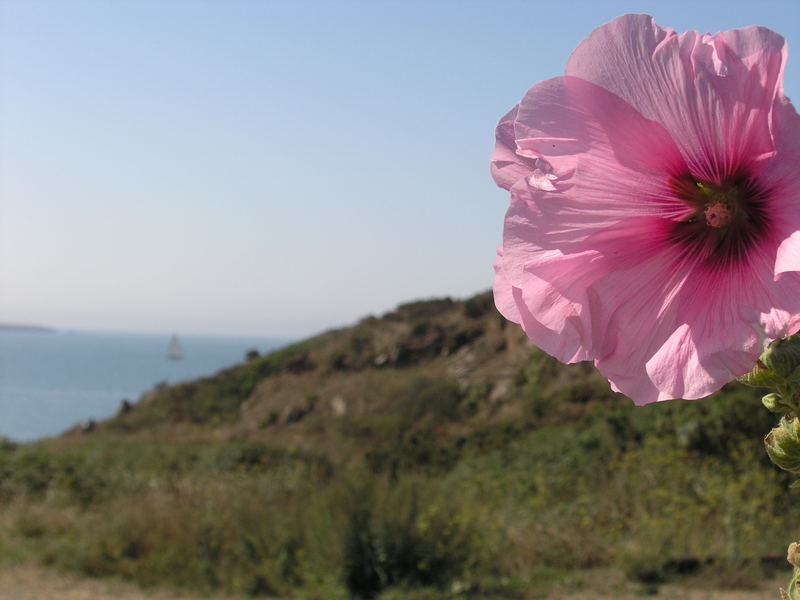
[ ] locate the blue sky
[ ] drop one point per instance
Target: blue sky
(271, 168)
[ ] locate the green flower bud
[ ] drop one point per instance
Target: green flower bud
(782, 357)
(783, 444)
(774, 403)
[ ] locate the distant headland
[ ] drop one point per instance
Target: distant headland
(25, 328)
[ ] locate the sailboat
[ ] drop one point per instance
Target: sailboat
(175, 351)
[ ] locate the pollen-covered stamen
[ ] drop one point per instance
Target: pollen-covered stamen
(718, 215)
(720, 203)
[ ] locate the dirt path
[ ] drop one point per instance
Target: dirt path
(612, 585)
(35, 583)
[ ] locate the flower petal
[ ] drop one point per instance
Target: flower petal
(568, 116)
(506, 166)
(713, 93)
(503, 293)
(609, 163)
(727, 317)
(509, 301)
(616, 298)
(683, 368)
(788, 259)
(779, 174)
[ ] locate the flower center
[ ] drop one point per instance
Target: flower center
(728, 217)
(720, 204)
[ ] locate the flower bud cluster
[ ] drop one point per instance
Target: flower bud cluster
(778, 368)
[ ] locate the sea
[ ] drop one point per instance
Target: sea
(51, 381)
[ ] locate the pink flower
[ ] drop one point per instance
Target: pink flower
(654, 225)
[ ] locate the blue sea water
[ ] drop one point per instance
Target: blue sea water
(51, 381)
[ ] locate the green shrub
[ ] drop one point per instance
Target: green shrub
(404, 536)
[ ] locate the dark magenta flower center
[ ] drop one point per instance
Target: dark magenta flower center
(729, 216)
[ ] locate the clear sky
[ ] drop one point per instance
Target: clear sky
(275, 167)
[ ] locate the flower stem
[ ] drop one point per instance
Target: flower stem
(793, 592)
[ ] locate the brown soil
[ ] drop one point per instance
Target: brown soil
(36, 583)
(612, 585)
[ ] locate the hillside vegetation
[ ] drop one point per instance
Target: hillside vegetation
(429, 453)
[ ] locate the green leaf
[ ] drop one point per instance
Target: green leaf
(760, 376)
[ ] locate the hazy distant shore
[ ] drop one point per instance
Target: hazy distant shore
(25, 328)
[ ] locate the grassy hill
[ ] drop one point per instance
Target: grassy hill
(428, 453)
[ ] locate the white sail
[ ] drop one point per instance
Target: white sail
(175, 351)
